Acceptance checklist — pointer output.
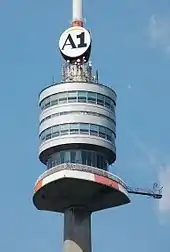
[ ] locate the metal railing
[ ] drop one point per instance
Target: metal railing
(156, 192)
(84, 168)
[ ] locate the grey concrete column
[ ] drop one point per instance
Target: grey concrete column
(77, 230)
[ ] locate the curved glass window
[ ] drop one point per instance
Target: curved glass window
(93, 130)
(77, 96)
(82, 96)
(77, 112)
(77, 128)
(90, 158)
(91, 97)
(72, 96)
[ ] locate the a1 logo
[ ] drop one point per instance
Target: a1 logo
(74, 42)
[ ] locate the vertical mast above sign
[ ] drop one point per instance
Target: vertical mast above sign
(77, 13)
(75, 42)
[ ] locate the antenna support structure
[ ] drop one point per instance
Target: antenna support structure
(77, 135)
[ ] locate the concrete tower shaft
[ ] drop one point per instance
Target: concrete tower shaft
(77, 230)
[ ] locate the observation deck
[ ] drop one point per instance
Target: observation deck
(78, 185)
(77, 134)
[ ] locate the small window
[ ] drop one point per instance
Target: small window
(89, 158)
(73, 156)
(62, 98)
(54, 99)
(67, 157)
(102, 131)
(98, 160)
(94, 114)
(108, 134)
(112, 106)
(64, 113)
(72, 96)
(84, 128)
(84, 157)
(94, 159)
(74, 128)
(56, 159)
(42, 136)
(113, 138)
(49, 163)
(91, 97)
(108, 137)
(47, 102)
(107, 102)
(47, 133)
(78, 157)
(53, 162)
(62, 155)
(100, 99)
(56, 131)
(94, 130)
(114, 128)
(82, 96)
(105, 164)
(102, 162)
(64, 129)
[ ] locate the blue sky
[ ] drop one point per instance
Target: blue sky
(131, 49)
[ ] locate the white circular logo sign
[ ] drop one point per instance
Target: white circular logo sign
(74, 42)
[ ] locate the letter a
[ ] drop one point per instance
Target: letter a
(70, 42)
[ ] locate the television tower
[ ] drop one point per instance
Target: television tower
(77, 134)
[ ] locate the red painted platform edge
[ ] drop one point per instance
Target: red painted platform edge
(106, 181)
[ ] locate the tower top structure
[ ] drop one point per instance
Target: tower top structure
(75, 42)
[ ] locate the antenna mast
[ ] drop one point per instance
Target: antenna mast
(77, 13)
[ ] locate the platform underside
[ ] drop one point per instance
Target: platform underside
(63, 189)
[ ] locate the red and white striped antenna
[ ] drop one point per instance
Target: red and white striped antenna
(77, 19)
